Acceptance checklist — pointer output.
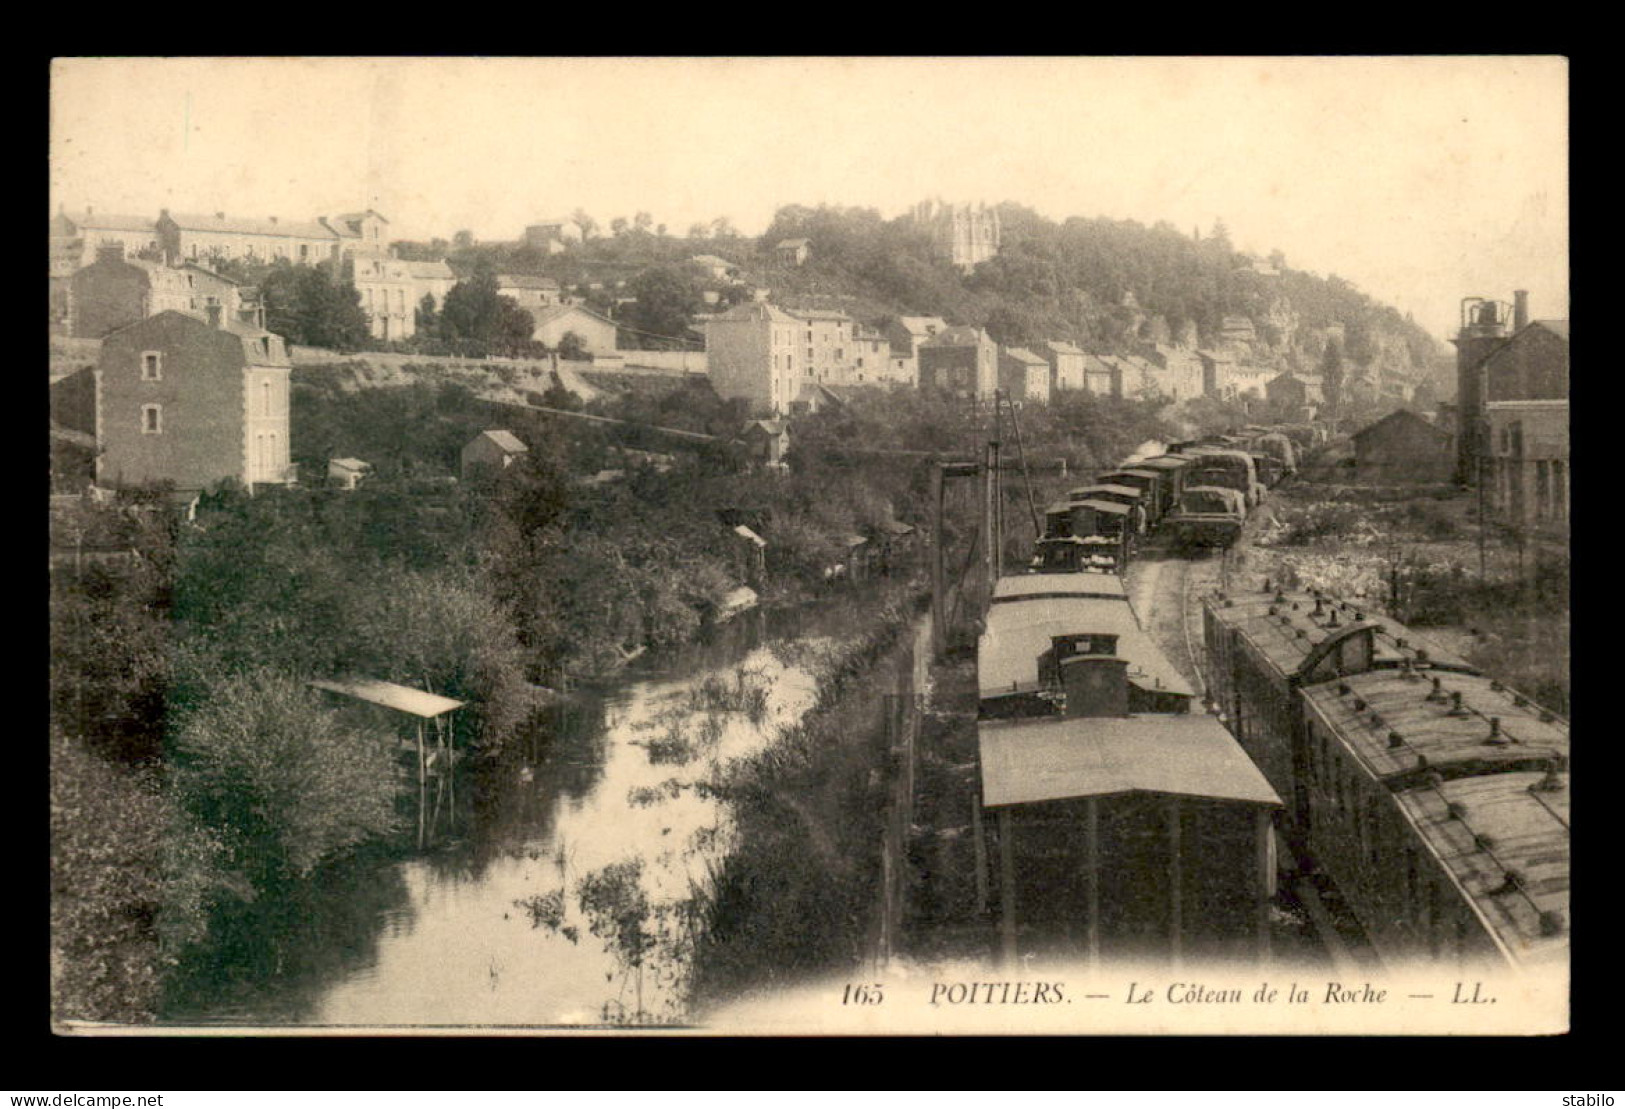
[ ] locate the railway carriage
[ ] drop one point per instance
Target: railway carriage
(1149, 482)
(1433, 795)
(1124, 822)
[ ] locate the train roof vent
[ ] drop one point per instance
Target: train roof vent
(1399, 642)
(1421, 654)
(1456, 707)
(1547, 716)
(1294, 606)
(1495, 738)
(1484, 841)
(1497, 685)
(1267, 587)
(1359, 704)
(1512, 883)
(1455, 810)
(1332, 620)
(1344, 689)
(1551, 923)
(1437, 693)
(1395, 740)
(1550, 782)
(1274, 611)
(1521, 701)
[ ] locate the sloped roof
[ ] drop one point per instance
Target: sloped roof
(112, 222)
(1061, 346)
(755, 310)
(246, 225)
(961, 336)
(1402, 415)
(438, 269)
(921, 325)
(793, 243)
(558, 311)
(1560, 328)
(1022, 354)
(507, 440)
(1187, 755)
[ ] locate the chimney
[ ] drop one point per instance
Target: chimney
(214, 316)
(1520, 310)
(1095, 685)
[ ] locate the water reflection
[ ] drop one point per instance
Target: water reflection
(560, 891)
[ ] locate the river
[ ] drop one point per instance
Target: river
(590, 819)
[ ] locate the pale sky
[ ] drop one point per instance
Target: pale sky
(1421, 180)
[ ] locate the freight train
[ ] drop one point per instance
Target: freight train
(1435, 797)
(1198, 494)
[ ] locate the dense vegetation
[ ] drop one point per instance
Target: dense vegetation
(180, 662)
(1108, 284)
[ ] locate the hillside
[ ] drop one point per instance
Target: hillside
(1105, 284)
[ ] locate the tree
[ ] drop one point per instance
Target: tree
(463, 240)
(427, 316)
(617, 226)
(698, 231)
(723, 228)
(475, 310)
(1331, 375)
(643, 221)
(667, 298)
(307, 305)
(573, 348)
(279, 778)
(588, 225)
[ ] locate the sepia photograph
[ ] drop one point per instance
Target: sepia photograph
(788, 546)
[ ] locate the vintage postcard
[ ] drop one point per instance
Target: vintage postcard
(809, 545)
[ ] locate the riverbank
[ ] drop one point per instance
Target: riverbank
(800, 893)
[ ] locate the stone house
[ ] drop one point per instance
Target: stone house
(1525, 386)
(197, 238)
(596, 333)
(1023, 375)
(905, 334)
(553, 236)
(115, 291)
(1102, 376)
(963, 361)
(1065, 365)
(192, 402)
(792, 252)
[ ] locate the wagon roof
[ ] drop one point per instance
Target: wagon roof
(1191, 755)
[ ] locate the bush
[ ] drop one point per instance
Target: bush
(280, 779)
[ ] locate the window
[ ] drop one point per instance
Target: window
(265, 397)
(152, 419)
(152, 366)
(304, 251)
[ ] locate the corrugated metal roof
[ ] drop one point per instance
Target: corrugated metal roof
(1027, 761)
(399, 697)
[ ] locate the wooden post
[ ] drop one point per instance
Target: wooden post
(1007, 888)
(1265, 833)
(1092, 855)
(938, 569)
(422, 788)
(1176, 878)
(979, 845)
(990, 488)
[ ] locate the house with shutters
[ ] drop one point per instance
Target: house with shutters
(963, 361)
(194, 402)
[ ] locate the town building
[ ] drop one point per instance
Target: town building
(359, 233)
(199, 238)
(792, 252)
(905, 334)
(1249, 382)
(76, 239)
(1402, 447)
(872, 363)
(596, 333)
(531, 292)
(433, 279)
(553, 236)
(193, 402)
(1175, 373)
(1291, 393)
(1525, 386)
(490, 453)
(1218, 366)
(347, 473)
(963, 361)
(1023, 375)
(1237, 331)
(1102, 376)
(115, 291)
(389, 296)
(1065, 365)
(960, 234)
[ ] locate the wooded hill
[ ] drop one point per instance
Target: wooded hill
(1105, 284)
